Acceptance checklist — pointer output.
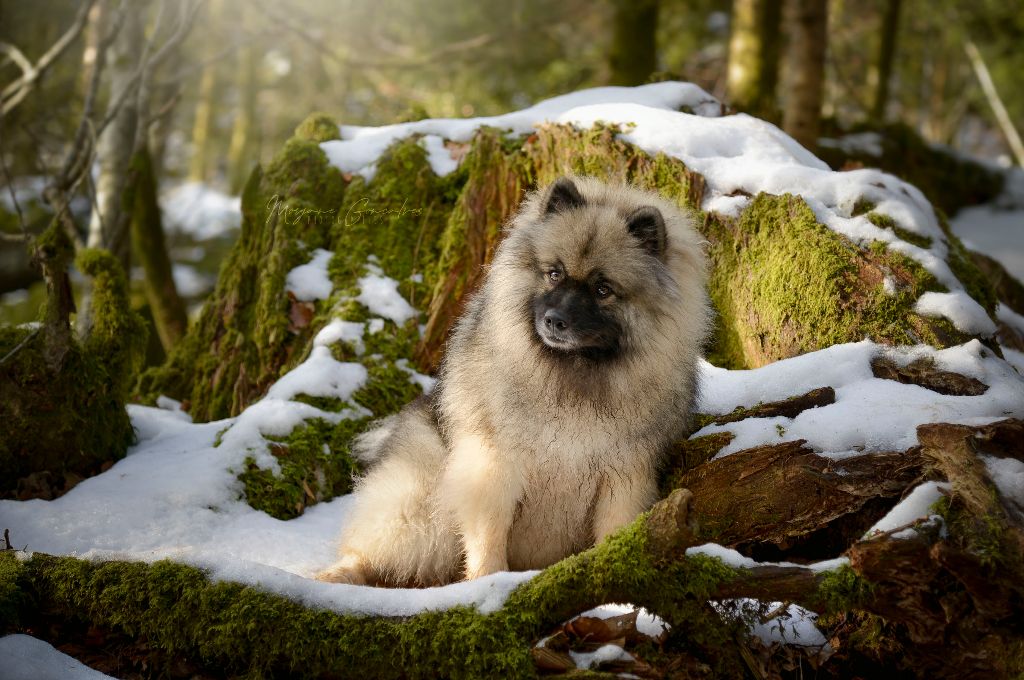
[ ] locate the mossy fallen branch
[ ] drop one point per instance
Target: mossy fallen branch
(244, 630)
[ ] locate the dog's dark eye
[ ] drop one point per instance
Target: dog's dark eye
(554, 276)
(603, 291)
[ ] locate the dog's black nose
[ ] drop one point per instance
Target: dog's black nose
(555, 321)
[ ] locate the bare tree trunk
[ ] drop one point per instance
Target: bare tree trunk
(203, 121)
(886, 57)
(753, 71)
(109, 224)
(992, 95)
(93, 37)
(634, 53)
(168, 310)
(801, 117)
(244, 142)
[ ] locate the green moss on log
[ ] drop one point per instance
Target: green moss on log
(63, 407)
(783, 285)
(13, 594)
(243, 630)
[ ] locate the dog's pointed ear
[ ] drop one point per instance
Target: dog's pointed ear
(563, 195)
(647, 225)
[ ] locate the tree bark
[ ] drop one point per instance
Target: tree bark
(801, 116)
(886, 57)
(995, 101)
(754, 55)
(634, 53)
(244, 142)
(203, 121)
(147, 233)
(109, 224)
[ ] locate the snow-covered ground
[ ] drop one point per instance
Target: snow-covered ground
(23, 657)
(995, 231)
(176, 495)
(200, 210)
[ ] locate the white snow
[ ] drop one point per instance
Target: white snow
(738, 155)
(1008, 475)
(380, 295)
(794, 626)
(425, 382)
(189, 281)
(310, 281)
(201, 211)
(360, 147)
(996, 232)
(14, 297)
(23, 657)
(917, 505)
(647, 623)
(347, 331)
(960, 308)
(1015, 358)
(321, 375)
(602, 654)
(439, 157)
(870, 414)
(1010, 318)
(869, 143)
(733, 558)
(175, 496)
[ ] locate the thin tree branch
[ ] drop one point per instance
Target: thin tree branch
(994, 101)
(15, 92)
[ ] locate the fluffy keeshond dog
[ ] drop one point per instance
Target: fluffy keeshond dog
(571, 372)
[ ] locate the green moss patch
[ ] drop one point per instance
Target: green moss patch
(315, 465)
(318, 127)
(62, 399)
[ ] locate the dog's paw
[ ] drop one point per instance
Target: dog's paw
(344, 571)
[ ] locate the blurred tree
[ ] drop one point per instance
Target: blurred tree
(886, 56)
(109, 222)
(754, 46)
(634, 52)
(244, 145)
(808, 39)
(206, 104)
(149, 247)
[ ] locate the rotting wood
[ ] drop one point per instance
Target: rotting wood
(784, 501)
(923, 372)
(786, 408)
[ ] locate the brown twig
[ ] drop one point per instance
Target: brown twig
(15, 92)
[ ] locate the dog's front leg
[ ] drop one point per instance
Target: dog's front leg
(481, 490)
(621, 498)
